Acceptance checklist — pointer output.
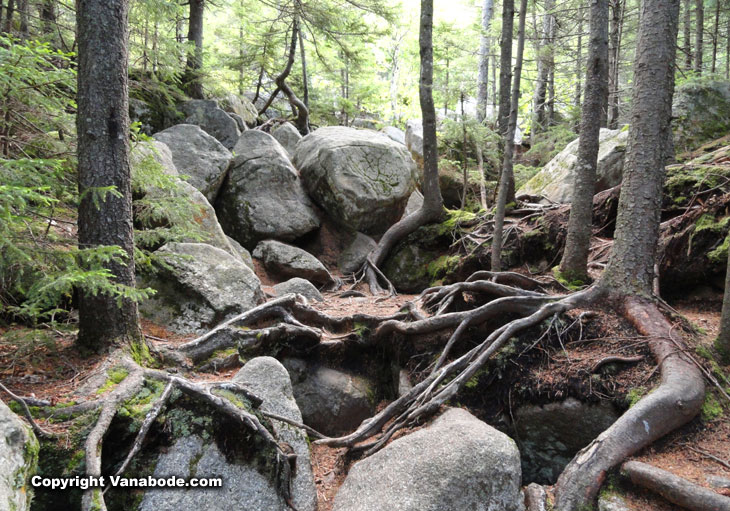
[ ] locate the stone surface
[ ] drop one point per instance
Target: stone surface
(415, 201)
(612, 502)
(197, 155)
(299, 286)
(213, 120)
(288, 136)
(141, 112)
(269, 380)
(550, 435)
(395, 134)
(355, 254)
(18, 461)
(247, 485)
(457, 463)
(263, 196)
(289, 261)
(555, 180)
(700, 112)
(202, 286)
(144, 153)
(244, 254)
(332, 402)
(361, 178)
(241, 106)
(414, 139)
(407, 267)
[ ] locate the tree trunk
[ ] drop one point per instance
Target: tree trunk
(699, 34)
(545, 62)
(9, 10)
(715, 35)
(574, 264)
(631, 266)
(103, 137)
(484, 50)
(727, 50)
(394, 78)
(23, 11)
(507, 176)
(464, 175)
(687, 35)
(299, 108)
(505, 65)
(194, 65)
(614, 58)
(579, 59)
(722, 343)
(305, 77)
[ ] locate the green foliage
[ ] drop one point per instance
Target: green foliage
(711, 408)
(635, 395)
(523, 173)
(548, 144)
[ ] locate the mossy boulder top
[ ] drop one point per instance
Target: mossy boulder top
(701, 112)
(361, 178)
(18, 459)
(555, 180)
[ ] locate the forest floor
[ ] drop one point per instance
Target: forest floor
(45, 364)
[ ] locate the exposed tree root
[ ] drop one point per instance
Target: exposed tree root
(675, 489)
(674, 402)
(535, 497)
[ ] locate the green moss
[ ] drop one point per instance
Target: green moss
(711, 408)
(140, 353)
(635, 395)
(569, 279)
(704, 352)
(453, 219)
(442, 266)
(360, 329)
(719, 254)
(115, 376)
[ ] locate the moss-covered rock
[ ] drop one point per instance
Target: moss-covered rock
(701, 112)
(18, 461)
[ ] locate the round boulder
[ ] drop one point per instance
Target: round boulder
(361, 178)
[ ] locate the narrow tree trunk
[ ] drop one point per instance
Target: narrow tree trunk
(465, 177)
(494, 82)
(687, 35)
(446, 88)
(545, 62)
(631, 266)
(715, 36)
(727, 50)
(305, 76)
(9, 10)
(394, 78)
(614, 57)
(579, 59)
(507, 176)
(23, 11)
(699, 34)
(194, 65)
(103, 134)
(722, 343)
(484, 49)
(505, 65)
(550, 106)
(574, 264)
(299, 108)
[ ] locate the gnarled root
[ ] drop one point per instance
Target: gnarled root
(673, 403)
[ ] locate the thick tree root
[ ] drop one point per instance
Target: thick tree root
(535, 497)
(674, 402)
(675, 489)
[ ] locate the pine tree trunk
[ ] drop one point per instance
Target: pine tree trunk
(194, 65)
(715, 35)
(484, 50)
(579, 59)
(722, 343)
(699, 34)
(505, 65)
(687, 35)
(630, 269)
(507, 177)
(614, 56)
(9, 10)
(305, 76)
(545, 62)
(574, 264)
(103, 144)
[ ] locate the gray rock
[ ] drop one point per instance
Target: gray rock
(332, 402)
(361, 178)
(263, 196)
(407, 267)
(457, 463)
(269, 380)
(242, 107)
(355, 254)
(700, 112)
(151, 152)
(415, 201)
(414, 139)
(395, 134)
(550, 435)
(288, 136)
(289, 261)
(207, 221)
(213, 120)
(555, 180)
(140, 111)
(299, 286)
(239, 121)
(242, 252)
(612, 502)
(198, 155)
(202, 286)
(18, 461)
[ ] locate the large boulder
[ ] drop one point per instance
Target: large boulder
(457, 463)
(198, 287)
(198, 155)
(18, 461)
(395, 134)
(361, 178)
(332, 402)
(299, 286)
(288, 136)
(700, 112)
(355, 253)
(213, 120)
(244, 254)
(147, 153)
(414, 139)
(555, 180)
(263, 196)
(248, 473)
(241, 106)
(288, 261)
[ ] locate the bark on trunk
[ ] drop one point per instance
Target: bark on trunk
(194, 65)
(715, 35)
(687, 35)
(305, 76)
(507, 178)
(614, 57)
(631, 267)
(484, 49)
(9, 10)
(505, 65)
(722, 343)
(699, 34)
(574, 263)
(103, 133)
(545, 62)
(579, 60)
